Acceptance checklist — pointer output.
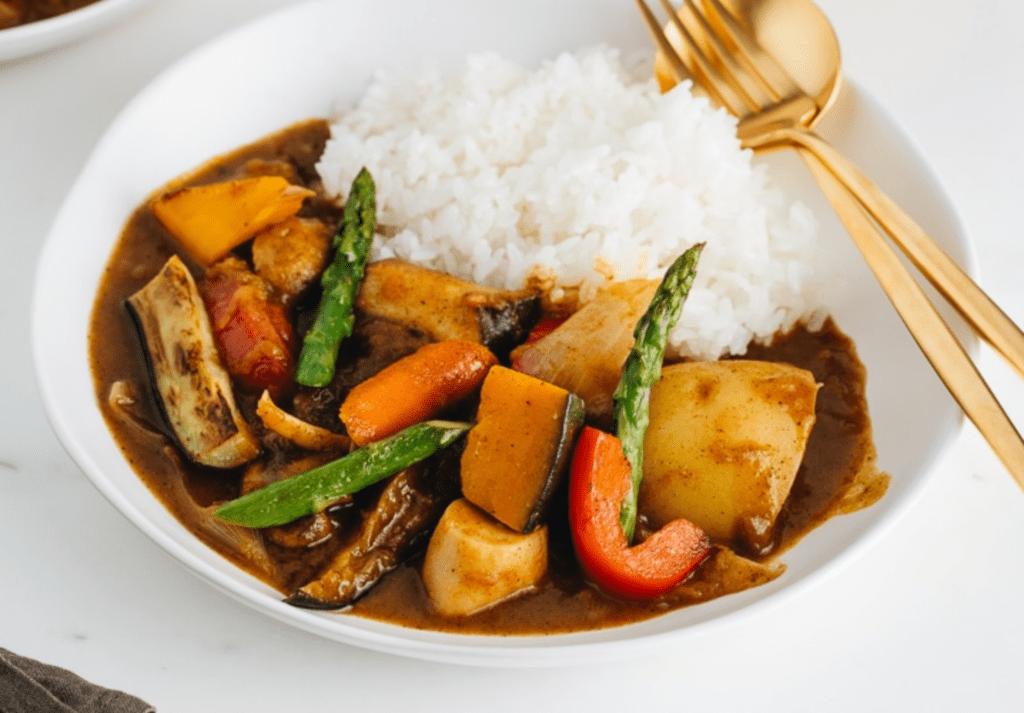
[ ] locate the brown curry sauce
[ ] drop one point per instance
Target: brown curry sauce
(21, 12)
(838, 473)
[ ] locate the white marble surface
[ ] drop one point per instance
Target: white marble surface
(930, 618)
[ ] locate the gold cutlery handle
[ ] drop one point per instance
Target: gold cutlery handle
(948, 357)
(984, 315)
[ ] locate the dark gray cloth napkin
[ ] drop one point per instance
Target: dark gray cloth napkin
(28, 686)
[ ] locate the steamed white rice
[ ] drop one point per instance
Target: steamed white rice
(579, 172)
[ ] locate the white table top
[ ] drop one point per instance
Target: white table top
(930, 618)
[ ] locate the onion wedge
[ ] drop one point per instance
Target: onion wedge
(303, 434)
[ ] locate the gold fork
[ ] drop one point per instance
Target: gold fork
(714, 50)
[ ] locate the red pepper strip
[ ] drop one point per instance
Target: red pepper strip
(598, 482)
(543, 328)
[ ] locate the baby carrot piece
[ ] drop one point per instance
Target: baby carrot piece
(414, 389)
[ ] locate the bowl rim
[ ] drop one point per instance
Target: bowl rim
(561, 649)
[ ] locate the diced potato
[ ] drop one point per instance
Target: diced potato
(291, 254)
(211, 220)
(519, 449)
(474, 562)
(724, 444)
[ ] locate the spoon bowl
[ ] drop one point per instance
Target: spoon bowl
(796, 34)
(756, 58)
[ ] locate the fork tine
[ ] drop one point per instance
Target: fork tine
(725, 89)
(719, 90)
(748, 86)
(760, 63)
(680, 69)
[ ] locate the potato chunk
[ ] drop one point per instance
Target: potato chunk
(473, 561)
(724, 445)
(290, 255)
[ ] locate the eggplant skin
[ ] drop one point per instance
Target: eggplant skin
(397, 526)
(506, 322)
(193, 388)
(446, 307)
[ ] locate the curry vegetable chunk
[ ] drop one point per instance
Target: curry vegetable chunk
(196, 392)
(473, 561)
(210, 220)
(446, 307)
(724, 444)
(365, 553)
(520, 447)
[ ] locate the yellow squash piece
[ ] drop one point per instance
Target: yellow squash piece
(474, 562)
(724, 445)
(211, 220)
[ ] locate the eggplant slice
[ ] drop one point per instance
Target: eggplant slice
(193, 387)
(395, 527)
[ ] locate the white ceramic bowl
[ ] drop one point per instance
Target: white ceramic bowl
(231, 92)
(55, 32)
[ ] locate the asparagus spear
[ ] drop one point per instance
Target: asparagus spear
(340, 282)
(312, 491)
(643, 369)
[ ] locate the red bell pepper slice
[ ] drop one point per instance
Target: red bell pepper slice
(543, 328)
(598, 482)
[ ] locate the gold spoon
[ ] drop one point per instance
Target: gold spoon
(775, 64)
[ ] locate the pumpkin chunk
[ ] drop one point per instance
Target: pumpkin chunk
(520, 447)
(211, 220)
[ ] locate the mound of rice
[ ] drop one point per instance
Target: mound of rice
(577, 173)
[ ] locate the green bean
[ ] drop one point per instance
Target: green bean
(312, 491)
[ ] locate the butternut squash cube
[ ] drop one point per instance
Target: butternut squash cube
(473, 561)
(211, 220)
(724, 445)
(520, 447)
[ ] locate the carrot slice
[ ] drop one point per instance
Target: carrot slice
(414, 388)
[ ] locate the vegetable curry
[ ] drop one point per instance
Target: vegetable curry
(455, 375)
(22, 12)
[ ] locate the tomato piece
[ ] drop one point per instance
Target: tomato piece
(253, 334)
(598, 482)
